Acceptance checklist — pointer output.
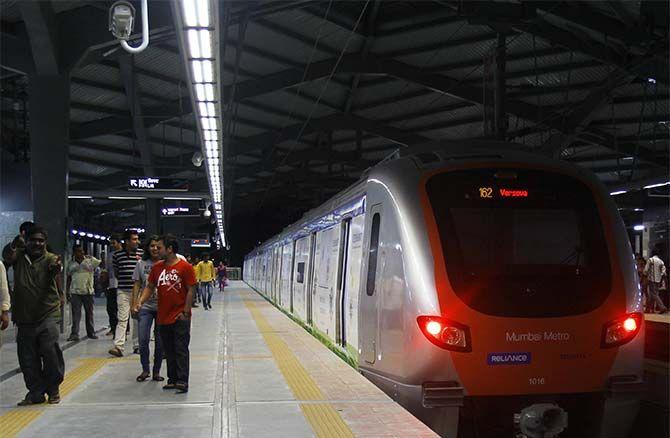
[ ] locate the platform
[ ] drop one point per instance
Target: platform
(254, 373)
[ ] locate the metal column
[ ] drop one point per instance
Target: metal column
(500, 90)
(49, 99)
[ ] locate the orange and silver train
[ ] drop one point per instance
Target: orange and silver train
(491, 292)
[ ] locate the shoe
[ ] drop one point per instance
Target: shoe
(29, 401)
(136, 350)
(181, 388)
(195, 305)
(158, 378)
(142, 377)
(109, 333)
(73, 338)
(92, 337)
(169, 386)
(115, 352)
(54, 399)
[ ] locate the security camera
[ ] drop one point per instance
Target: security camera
(121, 19)
(197, 159)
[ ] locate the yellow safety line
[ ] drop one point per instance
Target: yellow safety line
(15, 420)
(323, 417)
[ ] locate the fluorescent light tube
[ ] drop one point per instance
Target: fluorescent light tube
(190, 14)
(203, 13)
(207, 71)
(657, 185)
(205, 44)
(194, 44)
(209, 92)
(197, 71)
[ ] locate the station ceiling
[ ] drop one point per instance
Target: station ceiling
(315, 92)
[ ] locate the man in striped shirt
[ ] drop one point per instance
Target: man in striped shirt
(124, 262)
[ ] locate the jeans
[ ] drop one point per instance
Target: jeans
(76, 301)
(123, 301)
(40, 357)
(175, 338)
(206, 291)
(146, 318)
(112, 309)
(654, 302)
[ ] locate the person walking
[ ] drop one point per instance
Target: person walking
(112, 284)
(36, 312)
(205, 275)
(655, 272)
(148, 312)
(5, 301)
(124, 262)
(221, 275)
(80, 290)
(174, 281)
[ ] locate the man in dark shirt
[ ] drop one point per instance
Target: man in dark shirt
(36, 312)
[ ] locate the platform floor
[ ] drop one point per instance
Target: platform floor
(254, 373)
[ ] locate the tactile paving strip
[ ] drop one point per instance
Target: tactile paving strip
(323, 417)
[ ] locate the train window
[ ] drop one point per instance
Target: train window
(300, 278)
(540, 254)
(372, 256)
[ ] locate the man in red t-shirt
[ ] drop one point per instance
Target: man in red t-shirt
(175, 281)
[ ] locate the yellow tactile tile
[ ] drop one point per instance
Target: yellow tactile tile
(15, 420)
(323, 417)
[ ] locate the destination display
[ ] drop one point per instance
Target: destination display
(163, 184)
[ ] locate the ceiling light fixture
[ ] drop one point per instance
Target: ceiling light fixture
(197, 20)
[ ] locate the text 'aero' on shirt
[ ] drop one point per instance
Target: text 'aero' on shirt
(172, 283)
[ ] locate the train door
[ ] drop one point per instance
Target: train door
(370, 297)
(352, 284)
(294, 257)
(310, 278)
(341, 282)
(278, 263)
(300, 277)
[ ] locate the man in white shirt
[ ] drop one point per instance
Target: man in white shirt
(655, 271)
(80, 287)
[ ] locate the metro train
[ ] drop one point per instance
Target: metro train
(490, 291)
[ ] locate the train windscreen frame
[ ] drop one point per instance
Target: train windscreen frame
(521, 242)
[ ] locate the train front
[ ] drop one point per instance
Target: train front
(539, 308)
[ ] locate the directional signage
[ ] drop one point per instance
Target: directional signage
(151, 184)
(179, 212)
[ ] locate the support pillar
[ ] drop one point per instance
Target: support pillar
(152, 211)
(500, 89)
(49, 99)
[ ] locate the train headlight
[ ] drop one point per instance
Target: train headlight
(621, 330)
(445, 333)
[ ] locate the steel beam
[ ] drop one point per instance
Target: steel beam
(115, 124)
(583, 113)
(336, 121)
(42, 27)
(131, 85)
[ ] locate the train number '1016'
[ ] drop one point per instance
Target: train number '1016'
(536, 381)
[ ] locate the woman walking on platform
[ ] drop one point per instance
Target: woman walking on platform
(221, 275)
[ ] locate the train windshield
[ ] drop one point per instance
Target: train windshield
(521, 242)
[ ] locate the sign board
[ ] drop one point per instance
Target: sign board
(200, 243)
(147, 183)
(179, 212)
